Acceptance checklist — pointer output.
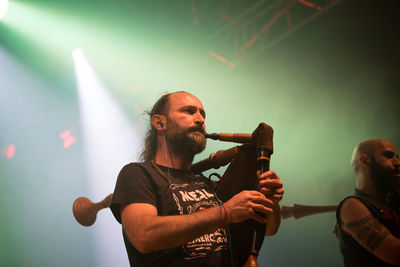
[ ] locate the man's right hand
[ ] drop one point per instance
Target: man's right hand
(248, 205)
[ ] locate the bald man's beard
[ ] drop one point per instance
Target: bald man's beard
(187, 143)
(385, 180)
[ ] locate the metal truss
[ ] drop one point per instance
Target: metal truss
(237, 30)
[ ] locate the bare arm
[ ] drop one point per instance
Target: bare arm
(369, 232)
(149, 232)
(273, 221)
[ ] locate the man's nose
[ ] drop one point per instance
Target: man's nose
(199, 119)
(396, 161)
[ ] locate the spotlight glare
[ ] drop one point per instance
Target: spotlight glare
(3, 8)
(67, 138)
(10, 151)
(76, 53)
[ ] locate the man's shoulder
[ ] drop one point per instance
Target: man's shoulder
(353, 201)
(137, 166)
(353, 208)
(137, 170)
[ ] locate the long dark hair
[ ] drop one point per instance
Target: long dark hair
(150, 142)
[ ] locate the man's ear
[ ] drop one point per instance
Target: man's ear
(365, 161)
(159, 122)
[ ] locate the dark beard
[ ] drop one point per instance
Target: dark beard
(188, 143)
(385, 181)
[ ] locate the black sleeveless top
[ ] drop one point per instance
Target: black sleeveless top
(354, 255)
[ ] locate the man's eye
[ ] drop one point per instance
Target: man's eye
(388, 154)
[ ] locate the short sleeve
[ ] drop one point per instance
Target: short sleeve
(133, 186)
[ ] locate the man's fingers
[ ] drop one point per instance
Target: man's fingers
(259, 212)
(262, 209)
(259, 218)
(267, 191)
(277, 197)
(268, 175)
(271, 183)
(260, 198)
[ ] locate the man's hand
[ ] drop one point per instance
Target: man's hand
(271, 186)
(248, 205)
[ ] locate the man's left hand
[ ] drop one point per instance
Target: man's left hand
(271, 186)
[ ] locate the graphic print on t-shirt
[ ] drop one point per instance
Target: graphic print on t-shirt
(191, 198)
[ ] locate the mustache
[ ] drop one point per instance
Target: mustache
(197, 129)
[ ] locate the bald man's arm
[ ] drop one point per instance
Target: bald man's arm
(358, 222)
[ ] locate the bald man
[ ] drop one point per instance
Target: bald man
(368, 223)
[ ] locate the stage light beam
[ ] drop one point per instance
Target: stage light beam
(109, 143)
(3, 8)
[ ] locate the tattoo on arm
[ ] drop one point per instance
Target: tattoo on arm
(367, 231)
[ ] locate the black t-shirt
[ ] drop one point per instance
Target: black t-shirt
(184, 194)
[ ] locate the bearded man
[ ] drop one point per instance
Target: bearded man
(368, 224)
(171, 217)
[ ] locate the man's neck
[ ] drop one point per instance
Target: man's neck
(172, 160)
(368, 187)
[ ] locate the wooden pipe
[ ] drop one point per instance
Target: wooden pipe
(215, 160)
(85, 211)
(299, 211)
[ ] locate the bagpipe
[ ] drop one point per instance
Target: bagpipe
(246, 238)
